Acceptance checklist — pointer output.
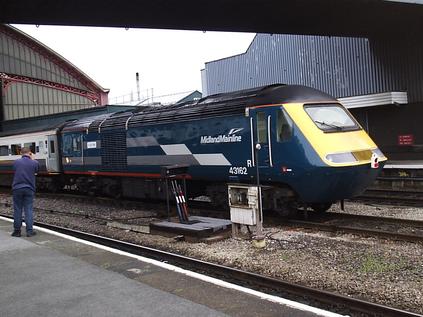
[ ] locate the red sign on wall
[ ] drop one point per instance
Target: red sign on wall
(406, 139)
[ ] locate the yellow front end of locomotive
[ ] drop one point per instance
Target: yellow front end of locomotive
(336, 146)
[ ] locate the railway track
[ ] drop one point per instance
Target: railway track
(85, 214)
(311, 296)
(392, 197)
(148, 210)
(381, 227)
(159, 206)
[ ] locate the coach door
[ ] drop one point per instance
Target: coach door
(52, 158)
(261, 133)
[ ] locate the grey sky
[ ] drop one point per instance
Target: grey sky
(167, 60)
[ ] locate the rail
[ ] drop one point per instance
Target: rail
(326, 221)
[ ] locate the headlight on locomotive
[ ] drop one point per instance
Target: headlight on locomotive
(378, 153)
(346, 157)
(354, 157)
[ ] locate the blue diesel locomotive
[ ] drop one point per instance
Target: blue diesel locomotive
(313, 151)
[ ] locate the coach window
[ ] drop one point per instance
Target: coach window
(284, 127)
(31, 146)
(261, 127)
(52, 150)
(4, 150)
(15, 149)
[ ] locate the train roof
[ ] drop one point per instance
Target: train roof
(272, 94)
(84, 123)
(208, 107)
(28, 130)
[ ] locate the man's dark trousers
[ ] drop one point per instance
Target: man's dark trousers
(23, 199)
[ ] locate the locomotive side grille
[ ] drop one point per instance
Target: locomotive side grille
(364, 155)
(113, 150)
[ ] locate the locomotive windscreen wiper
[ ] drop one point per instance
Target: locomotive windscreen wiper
(329, 125)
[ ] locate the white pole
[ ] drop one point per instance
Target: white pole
(137, 77)
(258, 239)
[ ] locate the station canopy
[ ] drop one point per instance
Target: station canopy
(363, 18)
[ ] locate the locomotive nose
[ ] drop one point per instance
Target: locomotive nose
(329, 184)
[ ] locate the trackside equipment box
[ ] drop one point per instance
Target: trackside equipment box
(243, 203)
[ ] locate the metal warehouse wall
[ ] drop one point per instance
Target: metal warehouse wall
(339, 66)
(36, 81)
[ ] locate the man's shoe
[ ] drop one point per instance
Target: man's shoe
(16, 233)
(31, 233)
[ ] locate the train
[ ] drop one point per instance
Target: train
(305, 147)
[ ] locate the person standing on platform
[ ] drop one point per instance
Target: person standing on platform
(23, 189)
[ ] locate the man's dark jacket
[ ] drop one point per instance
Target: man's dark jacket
(25, 169)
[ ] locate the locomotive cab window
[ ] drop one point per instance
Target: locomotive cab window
(261, 127)
(284, 127)
(331, 118)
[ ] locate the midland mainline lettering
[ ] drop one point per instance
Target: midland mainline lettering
(220, 139)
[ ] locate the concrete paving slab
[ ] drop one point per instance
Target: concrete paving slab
(13, 243)
(37, 281)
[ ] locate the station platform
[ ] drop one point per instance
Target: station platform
(54, 275)
(405, 164)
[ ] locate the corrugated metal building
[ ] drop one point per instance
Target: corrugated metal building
(381, 79)
(36, 81)
(340, 66)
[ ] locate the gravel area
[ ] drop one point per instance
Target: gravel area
(382, 271)
(402, 212)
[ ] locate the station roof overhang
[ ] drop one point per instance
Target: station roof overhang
(363, 18)
(374, 100)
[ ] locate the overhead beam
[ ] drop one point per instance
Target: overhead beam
(314, 17)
